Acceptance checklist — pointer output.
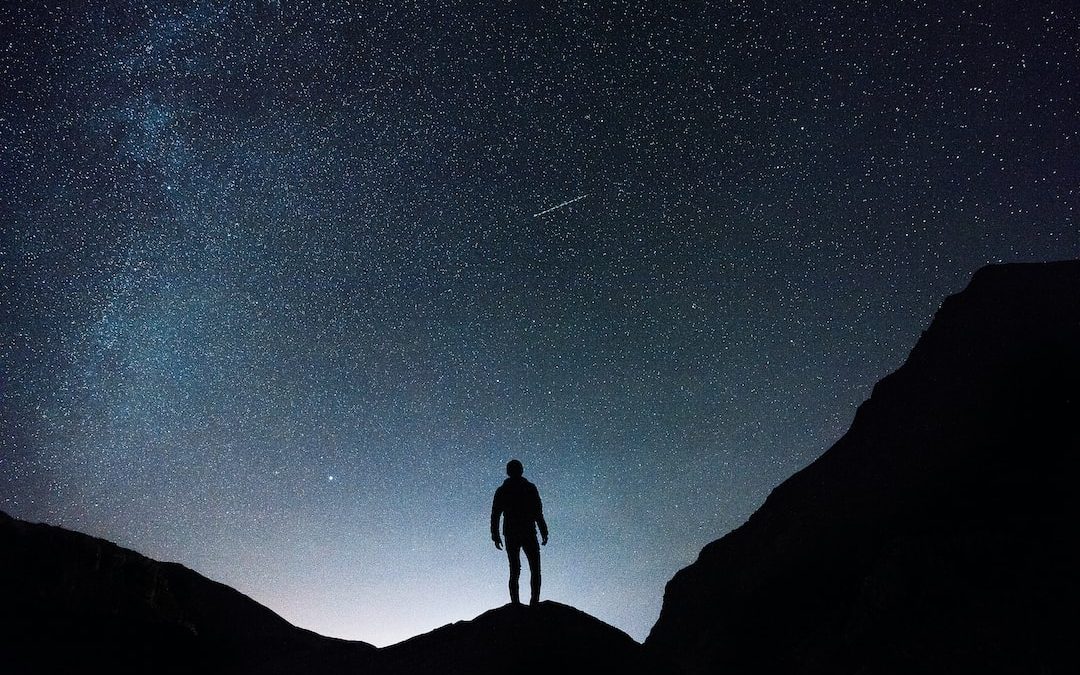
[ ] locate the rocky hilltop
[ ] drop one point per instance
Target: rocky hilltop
(550, 638)
(936, 534)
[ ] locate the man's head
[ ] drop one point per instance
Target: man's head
(514, 468)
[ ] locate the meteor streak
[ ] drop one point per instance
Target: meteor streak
(559, 206)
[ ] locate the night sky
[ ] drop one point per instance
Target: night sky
(283, 287)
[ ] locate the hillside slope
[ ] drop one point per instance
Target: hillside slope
(75, 603)
(935, 535)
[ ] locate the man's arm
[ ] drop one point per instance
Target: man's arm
(540, 518)
(496, 511)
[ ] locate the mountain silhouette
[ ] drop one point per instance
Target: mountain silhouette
(935, 535)
(73, 603)
(76, 603)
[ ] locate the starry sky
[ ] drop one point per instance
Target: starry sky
(283, 285)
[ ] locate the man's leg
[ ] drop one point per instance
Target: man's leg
(513, 552)
(532, 554)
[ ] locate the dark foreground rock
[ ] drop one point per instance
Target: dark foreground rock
(549, 638)
(937, 535)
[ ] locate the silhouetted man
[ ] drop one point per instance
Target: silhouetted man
(518, 502)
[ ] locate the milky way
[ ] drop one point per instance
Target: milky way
(275, 304)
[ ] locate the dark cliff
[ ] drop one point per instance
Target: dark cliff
(935, 535)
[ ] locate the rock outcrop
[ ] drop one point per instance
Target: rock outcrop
(936, 534)
(550, 638)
